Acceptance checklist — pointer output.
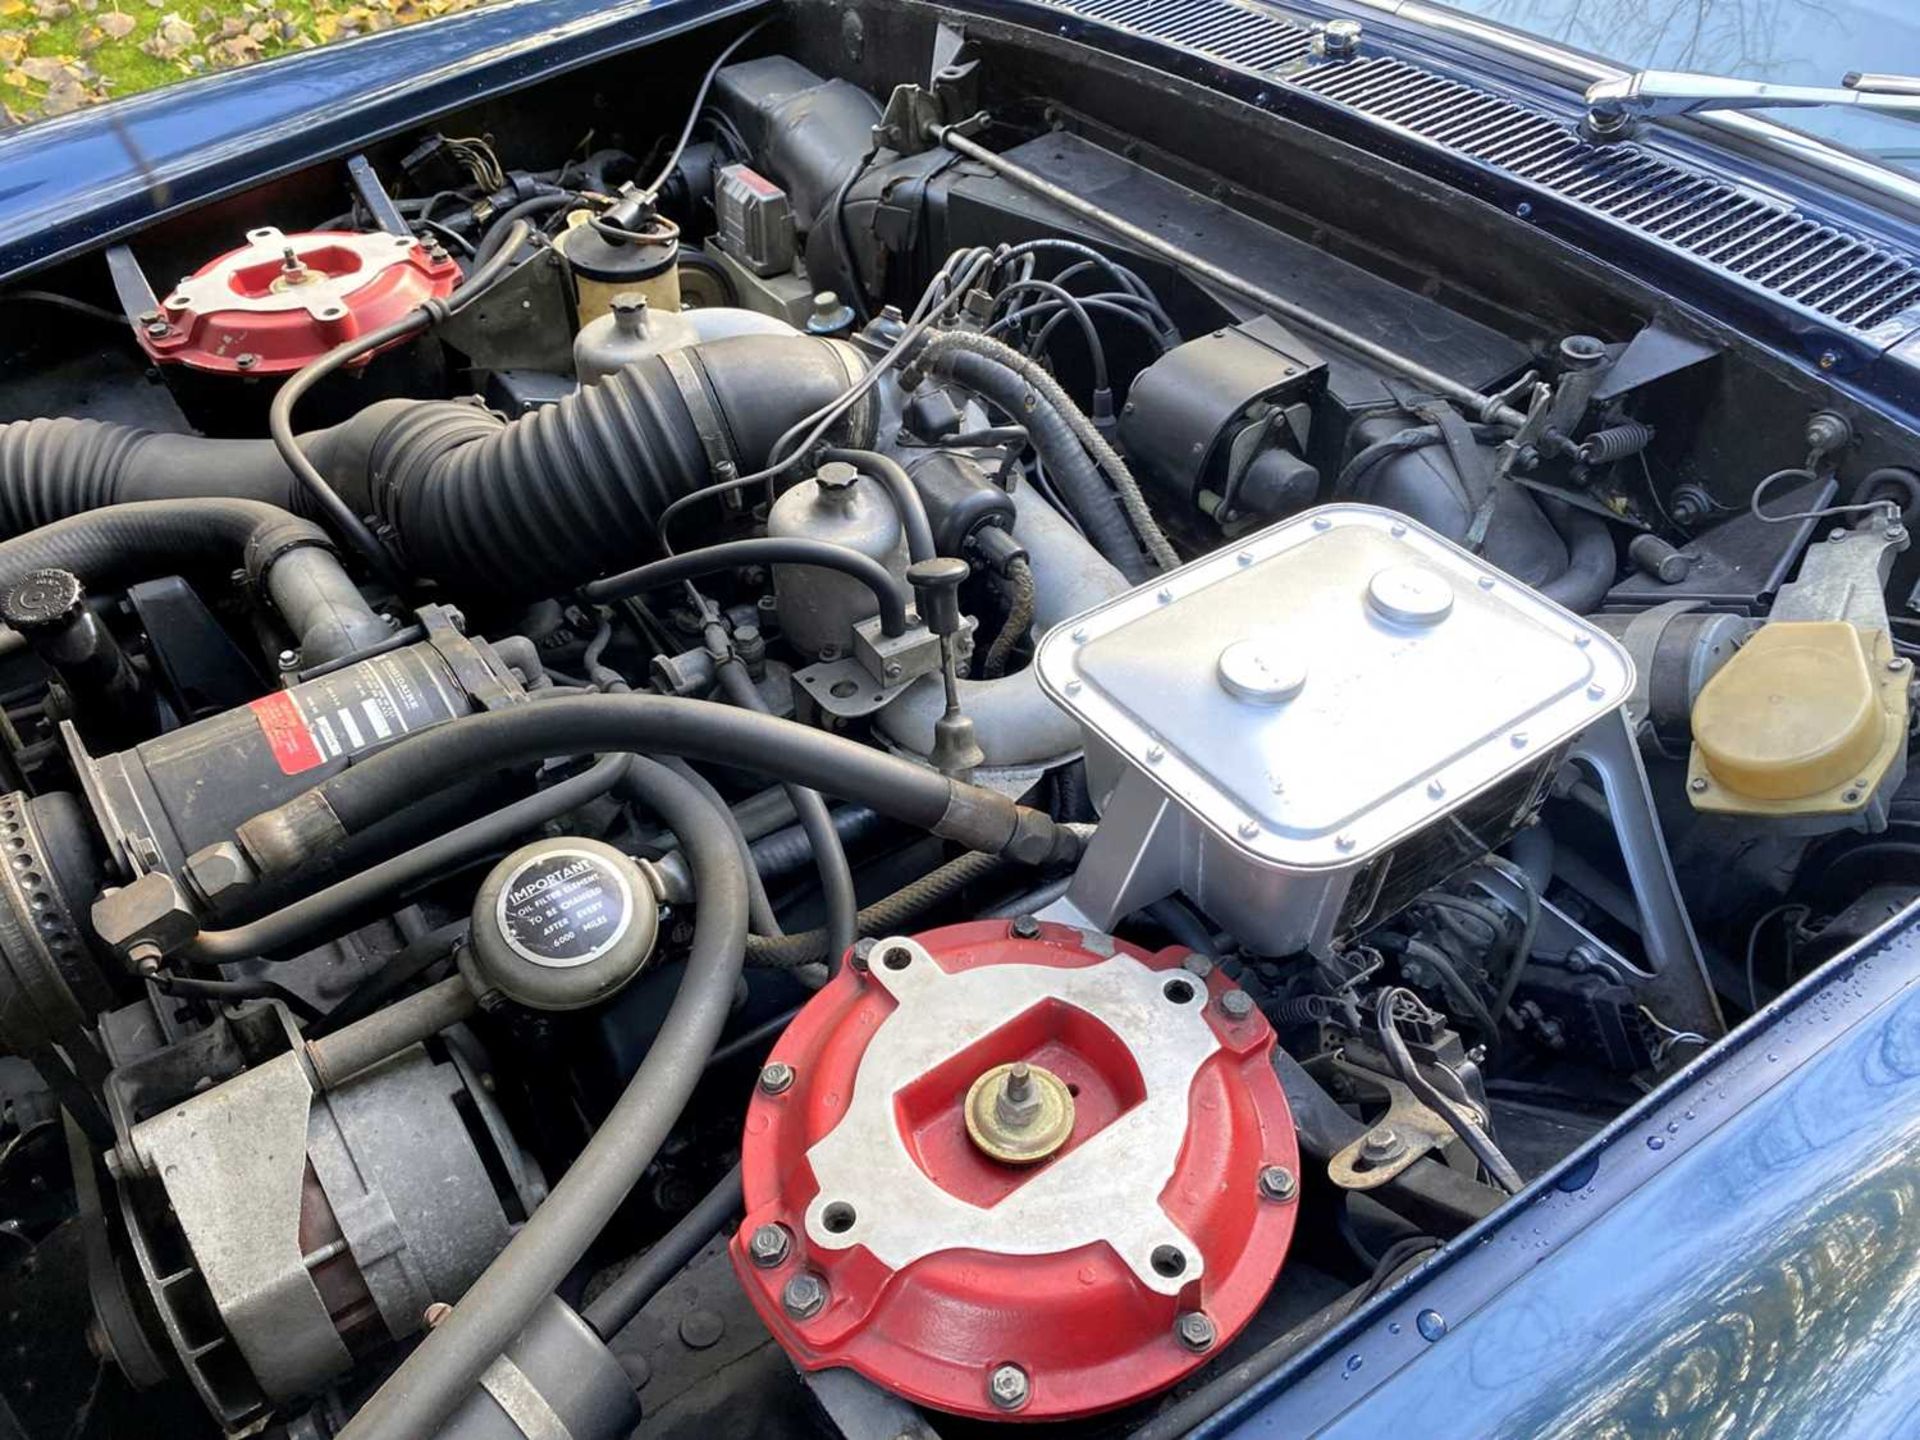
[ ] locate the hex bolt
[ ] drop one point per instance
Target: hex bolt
(1340, 39)
(1025, 927)
(776, 1079)
(1019, 1082)
(1381, 1145)
(769, 1246)
(862, 953)
(1236, 1004)
(1195, 1332)
(1008, 1387)
(804, 1295)
(1198, 966)
(1277, 1183)
(1698, 785)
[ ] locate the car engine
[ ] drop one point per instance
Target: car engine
(818, 745)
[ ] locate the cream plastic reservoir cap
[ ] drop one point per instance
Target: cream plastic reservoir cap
(1797, 713)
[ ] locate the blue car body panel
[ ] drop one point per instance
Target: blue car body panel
(1740, 1254)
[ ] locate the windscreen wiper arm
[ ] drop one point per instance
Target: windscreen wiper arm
(1613, 105)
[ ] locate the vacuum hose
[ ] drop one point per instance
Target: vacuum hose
(507, 509)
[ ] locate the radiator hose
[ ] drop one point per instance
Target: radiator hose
(288, 559)
(506, 509)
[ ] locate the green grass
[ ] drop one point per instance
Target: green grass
(59, 55)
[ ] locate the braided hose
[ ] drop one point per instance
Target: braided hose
(1019, 620)
(1035, 374)
(901, 908)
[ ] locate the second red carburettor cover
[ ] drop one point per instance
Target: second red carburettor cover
(280, 302)
(1018, 1171)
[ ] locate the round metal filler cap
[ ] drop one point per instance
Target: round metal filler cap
(1262, 669)
(1410, 595)
(563, 923)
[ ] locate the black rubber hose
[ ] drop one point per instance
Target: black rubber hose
(760, 917)
(629, 1291)
(296, 928)
(888, 591)
(123, 542)
(829, 855)
(291, 560)
(782, 852)
(512, 510)
(443, 1368)
(1089, 496)
(192, 987)
(495, 239)
(1592, 560)
(1890, 482)
(906, 495)
(314, 823)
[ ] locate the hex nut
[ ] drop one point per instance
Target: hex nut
(219, 869)
(769, 1246)
(1277, 1183)
(151, 911)
(1008, 1387)
(804, 1296)
(1195, 1332)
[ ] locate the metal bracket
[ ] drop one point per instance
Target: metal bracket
(1107, 1189)
(1408, 1132)
(1679, 990)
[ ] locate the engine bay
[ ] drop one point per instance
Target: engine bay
(876, 727)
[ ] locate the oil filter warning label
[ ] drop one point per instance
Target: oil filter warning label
(564, 908)
(340, 715)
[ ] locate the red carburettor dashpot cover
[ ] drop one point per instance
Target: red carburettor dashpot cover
(1017, 1171)
(281, 301)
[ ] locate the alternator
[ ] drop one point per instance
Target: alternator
(1017, 1169)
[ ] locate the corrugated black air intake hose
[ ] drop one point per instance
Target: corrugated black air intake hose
(508, 509)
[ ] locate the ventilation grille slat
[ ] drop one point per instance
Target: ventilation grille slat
(1222, 29)
(1852, 281)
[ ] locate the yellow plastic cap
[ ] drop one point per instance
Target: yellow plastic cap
(1795, 714)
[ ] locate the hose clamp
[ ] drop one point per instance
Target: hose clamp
(707, 423)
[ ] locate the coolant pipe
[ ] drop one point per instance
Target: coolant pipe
(1592, 560)
(289, 559)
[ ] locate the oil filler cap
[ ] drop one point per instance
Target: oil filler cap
(560, 924)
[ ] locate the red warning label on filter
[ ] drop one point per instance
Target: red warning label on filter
(339, 716)
(287, 734)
